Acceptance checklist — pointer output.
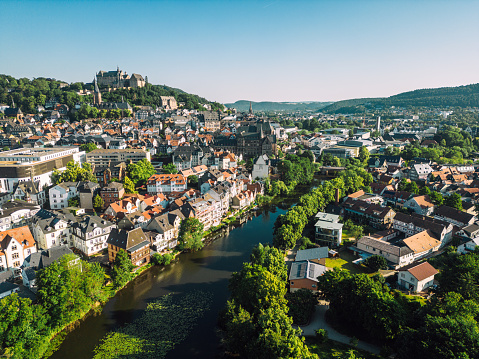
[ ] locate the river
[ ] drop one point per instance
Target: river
(206, 270)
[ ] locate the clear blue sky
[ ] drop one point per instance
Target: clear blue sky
(255, 50)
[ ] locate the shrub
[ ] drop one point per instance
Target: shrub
(321, 335)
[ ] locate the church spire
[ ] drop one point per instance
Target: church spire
(250, 108)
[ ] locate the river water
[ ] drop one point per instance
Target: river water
(207, 270)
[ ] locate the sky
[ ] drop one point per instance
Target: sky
(263, 50)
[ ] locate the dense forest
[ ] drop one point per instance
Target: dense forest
(461, 96)
(29, 94)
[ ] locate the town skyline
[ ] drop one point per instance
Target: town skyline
(321, 51)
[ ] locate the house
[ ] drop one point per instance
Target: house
(420, 172)
(43, 259)
(261, 167)
(166, 227)
(88, 191)
(166, 183)
(416, 277)
(7, 286)
(396, 256)
(370, 213)
(15, 245)
(468, 246)
(414, 223)
(311, 254)
(471, 231)
(454, 216)
(304, 275)
(29, 192)
(420, 204)
(328, 230)
(111, 193)
(61, 193)
(90, 234)
(50, 229)
(134, 242)
(16, 214)
(422, 244)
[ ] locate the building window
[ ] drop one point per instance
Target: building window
(14, 248)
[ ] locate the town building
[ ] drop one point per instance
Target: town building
(35, 164)
(15, 245)
(416, 277)
(111, 193)
(328, 230)
(102, 157)
(166, 183)
(134, 242)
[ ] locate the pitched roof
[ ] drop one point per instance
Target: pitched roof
(453, 213)
(128, 240)
(421, 242)
(20, 234)
(312, 253)
(385, 246)
(420, 271)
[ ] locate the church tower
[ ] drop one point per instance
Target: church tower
(97, 94)
(250, 108)
(378, 124)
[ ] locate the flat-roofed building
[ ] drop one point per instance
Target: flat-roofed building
(328, 229)
(35, 164)
(103, 157)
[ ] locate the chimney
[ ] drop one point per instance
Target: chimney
(336, 195)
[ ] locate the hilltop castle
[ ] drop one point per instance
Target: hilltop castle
(119, 79)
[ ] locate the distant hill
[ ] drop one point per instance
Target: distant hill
(266, 106)
(461, 96)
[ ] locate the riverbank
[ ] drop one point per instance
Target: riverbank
(150, 276)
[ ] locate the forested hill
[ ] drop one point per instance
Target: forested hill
(461, 96)
(243, 106)
(28, 94)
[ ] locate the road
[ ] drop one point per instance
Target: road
(318, 321)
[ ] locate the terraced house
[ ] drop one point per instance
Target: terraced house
(166, 183)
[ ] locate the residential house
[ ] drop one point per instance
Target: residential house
(16, 214)
(87, 192)
(328, 230)
(396, 256)
(420, 204)
(416, 277)
(134, 242)
(7, 286)
(422, 244)
(454, 216)
(111, 193)
(15, 245)
(61, 193)
(90, 234)
(29, 191)
(167, 227)
(311, 254)
(304, 275)
(372, 214)
(414, 223)
(166, 183)
(420, 172)
(50, 229)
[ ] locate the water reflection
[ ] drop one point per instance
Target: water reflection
(207, 270)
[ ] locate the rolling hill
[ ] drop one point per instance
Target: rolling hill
(267, 106)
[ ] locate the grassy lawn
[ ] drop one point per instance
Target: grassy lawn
(346, 234)
(345, 262)
(333, 350)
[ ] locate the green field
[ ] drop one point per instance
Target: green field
(345, 262)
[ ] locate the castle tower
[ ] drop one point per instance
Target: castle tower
(97, 94)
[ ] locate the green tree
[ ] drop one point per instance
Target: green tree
(193, 180)
(74, 202)
(122, 266)
(88, 147)
(140, 172)
(170, 168)
(376, 263)
(128, 185)
(364, 154)
(436, 198)
(301, 305)
(191, 234)
(454, 201)
(98, 202)
(74, 173)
